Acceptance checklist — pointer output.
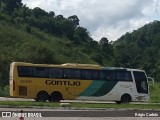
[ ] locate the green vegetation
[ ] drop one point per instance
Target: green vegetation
(28, 104)
(130, 106)
(155, 93)
(37, 36)
(140, 49)
(78, 105)
(4, 92)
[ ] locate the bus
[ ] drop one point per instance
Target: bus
(48, 82)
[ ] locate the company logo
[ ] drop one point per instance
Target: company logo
(67, 83)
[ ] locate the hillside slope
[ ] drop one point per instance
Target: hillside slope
(37, 36)
(140, 49)
(37, 47)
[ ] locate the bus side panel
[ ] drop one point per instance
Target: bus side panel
(124, 88)
(99, 90)
(67, 88)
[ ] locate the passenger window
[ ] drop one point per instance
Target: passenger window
(102, 75)
(107, 75)
(124, 76)
(85, 74)
(77, 74)
(24, 71)
(56, 73)
(94, 74)
(41, 72)
(69, 73)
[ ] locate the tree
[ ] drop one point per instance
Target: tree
(52, 14)
(82, 34)
(74, 19)
(13, 4)
(103, 41)
(59, 17)
(38, 12)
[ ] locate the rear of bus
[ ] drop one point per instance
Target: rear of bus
(12, 79)
(17, 88)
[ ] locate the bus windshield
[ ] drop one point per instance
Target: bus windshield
(141, 82)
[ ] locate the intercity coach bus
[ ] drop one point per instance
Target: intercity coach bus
(69, 81)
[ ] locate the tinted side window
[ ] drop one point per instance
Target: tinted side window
(41, 72)
(69, 73)
(102, 75)
(94, 74)
(56, 73)
(107, 75)
(24, 71)
(77, 74)
(124, 76)
(85, 74)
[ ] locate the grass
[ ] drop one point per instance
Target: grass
(155, 93)
(28, 104)
(116, 106)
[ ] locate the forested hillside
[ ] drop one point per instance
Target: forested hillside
(37, 36)
(140, 49)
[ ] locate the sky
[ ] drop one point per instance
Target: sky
(104, 18)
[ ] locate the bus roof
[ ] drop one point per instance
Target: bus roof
(66, 65)
(121, 69)
(76, 65)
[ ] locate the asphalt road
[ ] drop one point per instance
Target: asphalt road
(76, 114)
(83, 114)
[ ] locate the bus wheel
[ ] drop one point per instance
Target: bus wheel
(56, 97)
(126, 98)
(118, 102)
(42, 96)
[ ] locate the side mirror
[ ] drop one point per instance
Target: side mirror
(150, 80)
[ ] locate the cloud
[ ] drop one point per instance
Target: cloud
(104, 18)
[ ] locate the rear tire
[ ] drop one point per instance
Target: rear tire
(42, 96)
(56, 97)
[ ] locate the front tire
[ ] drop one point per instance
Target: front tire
(118, 102)
(126, 98)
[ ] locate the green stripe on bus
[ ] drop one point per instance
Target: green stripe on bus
(93, 87)
(99, 88)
